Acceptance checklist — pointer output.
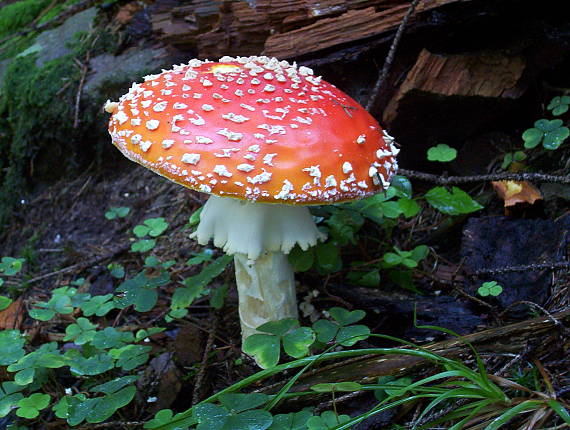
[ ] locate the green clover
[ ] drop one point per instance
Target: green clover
(153, 227)
(11, 266)
(559, 105)
(81, 332)
(340, 328)
(117, 212)
(327, 420)
(237, 411)
(491, 288)
(265, 347)
(143, 245)
(30, 407)
(550, 133)
(442, 152)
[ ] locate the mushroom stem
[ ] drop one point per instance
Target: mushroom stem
(266, 290)
(260, 236)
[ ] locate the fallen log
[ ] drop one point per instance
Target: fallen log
(512, 339)
(280, 28)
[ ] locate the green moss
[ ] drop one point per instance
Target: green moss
(17, 15)
(33, 105)
(56, 10)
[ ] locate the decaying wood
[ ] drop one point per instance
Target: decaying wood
(475, 75)
(513, 338)
(280, 28)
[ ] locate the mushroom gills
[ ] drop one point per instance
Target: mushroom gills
(243, 227)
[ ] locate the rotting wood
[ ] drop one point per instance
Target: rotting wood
(488, 74)
(280, 28)
(512, 338)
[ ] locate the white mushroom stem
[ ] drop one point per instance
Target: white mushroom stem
(266, 290)
(259, 235)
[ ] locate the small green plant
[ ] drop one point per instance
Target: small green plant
(510, 157)
(152, 227)
(117, 212)
(559, 105)
(491, 288)
(266, 346)
(550, 133)
(442, 152)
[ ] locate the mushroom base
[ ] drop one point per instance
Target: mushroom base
(266, 290)
(243, 227)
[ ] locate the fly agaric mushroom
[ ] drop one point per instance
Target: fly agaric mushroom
(265, 139)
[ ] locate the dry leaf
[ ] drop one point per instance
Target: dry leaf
(13, 316)
(513, 192)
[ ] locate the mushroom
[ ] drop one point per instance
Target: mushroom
(265, 138)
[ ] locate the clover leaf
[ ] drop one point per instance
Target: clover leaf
(30, 407)
(10, 395)
(140, 291)
(291, 421)
(327, 420)
(11, 346)
(491, 288)
(550, 133)
(442, 152)
(98, 305)
(152, 227)
(79, 408)
(130, 356)
(165, 417)
(340, 328)
(265, 347)
(117, 212)
(559, 105)
(143, 245)
(11, 266)
(215, 417)
(81, 332)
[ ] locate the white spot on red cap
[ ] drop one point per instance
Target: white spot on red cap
(152, 124)
(222, 170)
(160, 106)
(190, 158)
(245, 167)
(203, 140)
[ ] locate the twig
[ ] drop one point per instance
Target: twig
(448, 180)
(390, 56)
(522, 268)
(203, 365)
(84, 70)
(535, 306)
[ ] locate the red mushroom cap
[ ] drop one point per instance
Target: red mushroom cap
(254, 128)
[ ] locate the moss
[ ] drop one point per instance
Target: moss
(56, 10)
(17, 15)
(33, 103)
(38, 141)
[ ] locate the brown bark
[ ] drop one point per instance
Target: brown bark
(280, 28)
(491, 75)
